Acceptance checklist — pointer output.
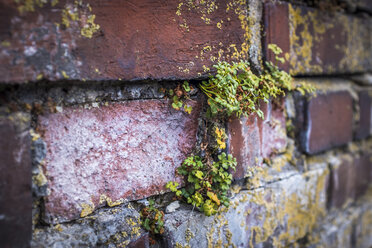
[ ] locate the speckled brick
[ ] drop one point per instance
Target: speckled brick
(123, 151)
(328, 122)
(137, 40)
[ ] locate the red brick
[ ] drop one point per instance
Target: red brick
(137, 40)
(124, 150)
(342, 185)
(15, 185)
(328, 122)
(363, 129)
(318, 42)
(252, 139)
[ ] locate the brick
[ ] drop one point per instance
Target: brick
(317, 42)
(141, 242)
(363, 167)
(342, 185)
(123, 151)
(364, 127)
(328, 122)
(252, 139)
(142, 40)
(15, 183)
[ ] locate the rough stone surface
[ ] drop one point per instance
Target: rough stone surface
(328, 121)
(252, 139)
(317, 42)
(350, 228)
(276, 215)
(136, 40)
(123, 151)
(115, 227)
(15, 181)
(364, 127)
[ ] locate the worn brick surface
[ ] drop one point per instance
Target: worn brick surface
(363, 167)
(364, 127)
(252, 139)
(328, 121)
(317, 42)
(15, 183)
(342, 185)
(123, 151)
(136, 40)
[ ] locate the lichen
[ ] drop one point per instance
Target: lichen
(87, 209)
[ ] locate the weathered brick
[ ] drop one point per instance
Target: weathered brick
(142, 40)
(363, 167)
(364, 127)
(123, 151)
(316, 42)
(252, 139)
(141, 242)
(15, 182)
(342, 185)
(328, 121)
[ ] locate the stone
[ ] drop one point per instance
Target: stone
(172, 207)
(113, 227)
(270, 216)
(112, 154)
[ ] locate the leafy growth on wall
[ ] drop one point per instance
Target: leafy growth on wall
(179, 95)
(235, 89)
(152, 219)
(207, 183)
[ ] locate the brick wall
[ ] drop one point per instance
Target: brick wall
(89, 136)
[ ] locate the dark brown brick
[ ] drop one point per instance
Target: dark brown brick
(328, 122)
(144, 39)
(364, 127)
(141, 242)
(342, 185)
(318, 42)
(123, 151)
(363, 168)
(15, 185)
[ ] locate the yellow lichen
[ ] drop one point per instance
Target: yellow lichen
(87, 209)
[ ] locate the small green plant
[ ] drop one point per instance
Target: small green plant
(152, 219)
(179, 95)
(236, 89)
(207, 183)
